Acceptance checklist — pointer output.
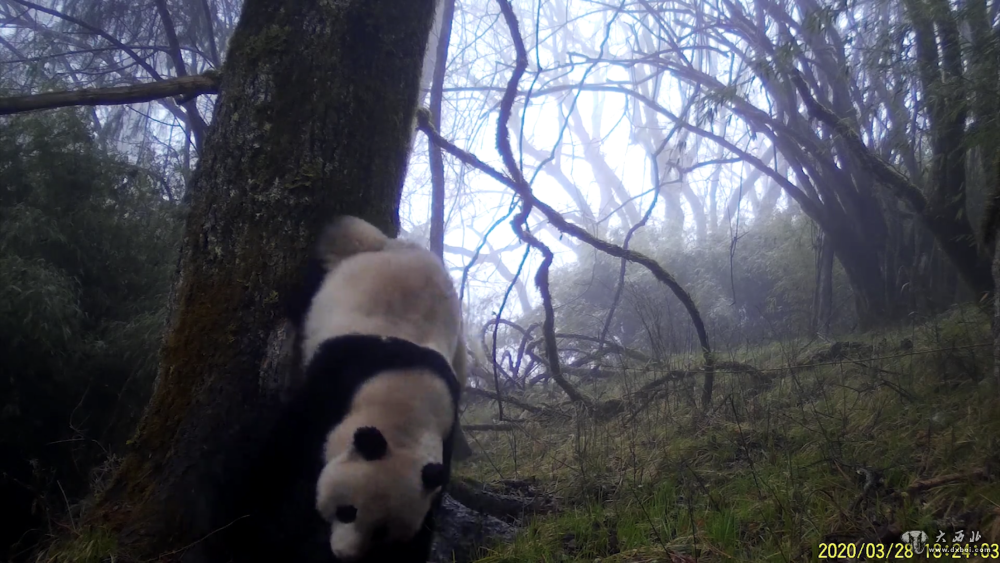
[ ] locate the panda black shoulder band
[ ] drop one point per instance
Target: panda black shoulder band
(382, 353)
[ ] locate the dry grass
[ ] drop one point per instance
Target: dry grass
(777, 466)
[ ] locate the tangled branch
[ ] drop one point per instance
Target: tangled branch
(564, 226)
(519, 221)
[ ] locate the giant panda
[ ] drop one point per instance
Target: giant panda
(369, 433)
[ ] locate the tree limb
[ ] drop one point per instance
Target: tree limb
(922, 485)
(213, 48)
(436, 156)
(579, 233)
(949, 233)
(96, 31)
(519, 404)
(195, 122)
(523, 189)
(207, 83)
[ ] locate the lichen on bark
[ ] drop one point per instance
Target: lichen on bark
(313, 119)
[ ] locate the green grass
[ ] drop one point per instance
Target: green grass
(92, 545)
(770, 471)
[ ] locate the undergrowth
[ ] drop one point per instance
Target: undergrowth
(901, 432)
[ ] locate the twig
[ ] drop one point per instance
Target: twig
(523, 190)
(482, 244)
(69, 507)
(628, 238)
(197, 541)
(496, 328)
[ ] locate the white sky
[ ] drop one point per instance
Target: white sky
(483, 201)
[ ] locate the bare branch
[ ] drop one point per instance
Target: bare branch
(523, 190)
(202, 84)
(628, 238)
(96, 31)
(579, 233)
(213, 49)
(494, 397)
(195, 122)
(611, 347)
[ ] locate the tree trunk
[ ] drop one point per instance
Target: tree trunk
(823, 296)
(314, 119)
(436, 154)
(861, 264)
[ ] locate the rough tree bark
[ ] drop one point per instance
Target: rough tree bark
(313, 119)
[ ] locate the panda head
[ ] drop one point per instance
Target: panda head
(373, 496)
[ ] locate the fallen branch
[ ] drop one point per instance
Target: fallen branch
(498, 503)
(187, 86)
(493, 397)
(525, 335)
(606, 344)
(671, 375)
(925, 484)
(577, 366)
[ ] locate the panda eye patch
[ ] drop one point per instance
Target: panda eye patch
(346, 513)
(370, 443)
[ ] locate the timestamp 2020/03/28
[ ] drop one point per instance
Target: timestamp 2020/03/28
(847, 550)
(897, 551)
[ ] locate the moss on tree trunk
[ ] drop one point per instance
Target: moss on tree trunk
(314, 119)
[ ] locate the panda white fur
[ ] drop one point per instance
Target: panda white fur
(354, 466)
(384, 287)
(386, 460)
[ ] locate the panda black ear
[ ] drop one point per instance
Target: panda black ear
(433, 475)
(370, 443)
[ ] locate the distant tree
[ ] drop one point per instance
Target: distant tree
(127, 44)
(314, 118)
(86, 247)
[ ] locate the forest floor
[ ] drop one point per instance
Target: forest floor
(839, 444)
